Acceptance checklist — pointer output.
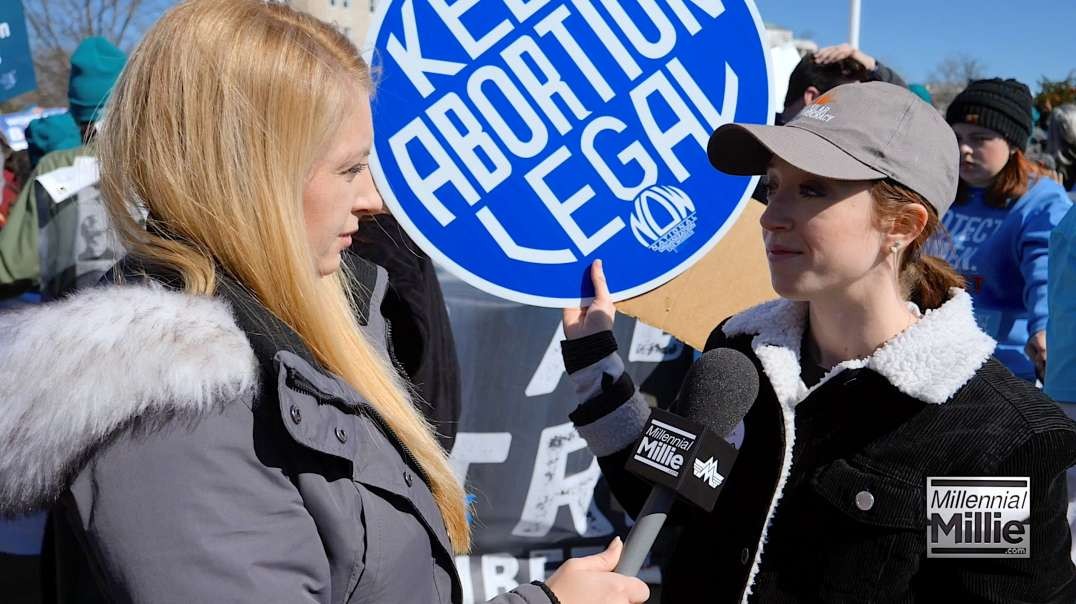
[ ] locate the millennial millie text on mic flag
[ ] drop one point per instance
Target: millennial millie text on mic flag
(519, 140)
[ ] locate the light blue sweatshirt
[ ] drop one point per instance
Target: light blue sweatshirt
(1061, 332)
(1003, 255)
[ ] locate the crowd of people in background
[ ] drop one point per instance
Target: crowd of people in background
(1010, 233)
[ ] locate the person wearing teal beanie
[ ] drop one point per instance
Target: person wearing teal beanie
(95, 66)
(53, 133)
(922, 92)
(67, 245)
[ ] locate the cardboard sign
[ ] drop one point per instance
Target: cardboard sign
(733, 277)
(518, 141)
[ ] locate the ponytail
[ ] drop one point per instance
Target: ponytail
(924, 279)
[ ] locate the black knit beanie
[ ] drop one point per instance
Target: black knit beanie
(1004, 106)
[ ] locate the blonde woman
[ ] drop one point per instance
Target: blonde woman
(216, 428)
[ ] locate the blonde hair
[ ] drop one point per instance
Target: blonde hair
(213, 128)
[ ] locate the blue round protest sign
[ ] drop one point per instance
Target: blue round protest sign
(518, 141)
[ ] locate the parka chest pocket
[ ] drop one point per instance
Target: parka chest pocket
(359, 484)
(329, 417)
(315, 410)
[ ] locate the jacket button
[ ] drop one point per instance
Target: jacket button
(864, 500)
(296, 415)
(407, 478)
(744, 554)
(341, 435)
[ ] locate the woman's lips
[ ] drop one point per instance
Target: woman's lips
(781, 253)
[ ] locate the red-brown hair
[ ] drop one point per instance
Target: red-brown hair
(924, 279)
(1008, 185)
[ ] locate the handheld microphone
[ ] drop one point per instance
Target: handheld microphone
(684, 454)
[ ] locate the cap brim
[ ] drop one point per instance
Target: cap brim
(746, 150)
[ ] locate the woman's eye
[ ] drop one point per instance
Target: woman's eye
(355, 170)
(809, 191)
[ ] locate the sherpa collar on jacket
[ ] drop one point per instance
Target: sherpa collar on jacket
(929, 361)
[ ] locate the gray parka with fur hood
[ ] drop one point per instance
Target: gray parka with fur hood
(203, 456)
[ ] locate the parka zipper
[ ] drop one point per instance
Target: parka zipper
(299, 383)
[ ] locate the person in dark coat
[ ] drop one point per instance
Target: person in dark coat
(874, 377)
(216, 426)
(413, 308)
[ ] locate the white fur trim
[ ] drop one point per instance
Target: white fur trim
(74, 372)
(788, 415)
(929, 361)
(937, 355)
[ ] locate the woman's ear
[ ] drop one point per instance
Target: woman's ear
(907, 229)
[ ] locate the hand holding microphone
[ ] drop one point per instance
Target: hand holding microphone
(591, 579)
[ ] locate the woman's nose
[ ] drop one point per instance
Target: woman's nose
(370, 200)
(773, 219)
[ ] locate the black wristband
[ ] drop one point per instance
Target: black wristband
(548, 592)
(587, 350)
(613, 394)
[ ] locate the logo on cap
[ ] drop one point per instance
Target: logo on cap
(820, 109)
(673, 225)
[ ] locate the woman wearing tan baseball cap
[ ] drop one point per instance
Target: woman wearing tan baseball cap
(874, 378)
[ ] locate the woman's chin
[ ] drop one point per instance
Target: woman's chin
(329, 266)
(790, 288)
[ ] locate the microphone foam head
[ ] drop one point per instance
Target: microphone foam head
(718, 390)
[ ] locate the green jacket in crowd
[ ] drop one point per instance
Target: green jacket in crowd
(57, 241)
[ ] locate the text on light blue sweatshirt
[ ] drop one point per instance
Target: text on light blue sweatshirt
(1003, 255)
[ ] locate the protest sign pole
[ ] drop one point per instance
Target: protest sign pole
(853, 23)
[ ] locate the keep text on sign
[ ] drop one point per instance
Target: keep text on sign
(519, 140)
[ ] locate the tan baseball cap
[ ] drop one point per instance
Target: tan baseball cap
(858, 131)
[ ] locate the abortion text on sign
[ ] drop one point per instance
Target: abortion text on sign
(521, 144)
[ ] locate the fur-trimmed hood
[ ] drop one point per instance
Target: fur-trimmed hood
(74, 372)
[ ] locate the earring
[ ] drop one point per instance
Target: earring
(893, 249)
